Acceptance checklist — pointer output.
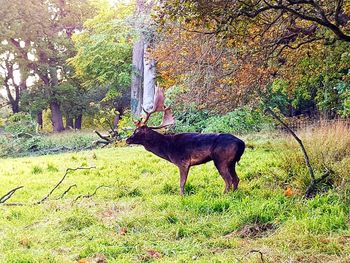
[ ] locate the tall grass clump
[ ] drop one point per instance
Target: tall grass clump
(328, 147)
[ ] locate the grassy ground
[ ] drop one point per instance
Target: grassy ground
(140, 217)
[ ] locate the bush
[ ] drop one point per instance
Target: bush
(191, 121)
(45, 144)
(242, 120)
(20, 124)
(5, 146)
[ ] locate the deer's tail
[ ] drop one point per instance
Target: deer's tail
(240, 151)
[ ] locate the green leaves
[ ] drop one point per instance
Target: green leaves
(104, 49)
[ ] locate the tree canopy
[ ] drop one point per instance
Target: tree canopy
(226, 53)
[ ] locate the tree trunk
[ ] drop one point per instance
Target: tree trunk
(116, 121)
(78, 121)
(14, 101)
(10, 85)
(136, 78)
(142, 12)
(57, 121)
(69, 123)
(15, 106)
(149, 76)
(39, 120)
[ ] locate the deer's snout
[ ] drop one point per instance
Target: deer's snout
(132, 140)
(129, 140)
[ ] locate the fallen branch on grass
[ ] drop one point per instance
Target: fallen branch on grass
(7, 196)
(66, 192)
(106, 139)
(62, 179)
(90, 195)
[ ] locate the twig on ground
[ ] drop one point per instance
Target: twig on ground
(7, 196)
(90, 195)
(107, 139)
(14, 204)
(65, 192)
(94, 193)
(257, 251)
(62, 179)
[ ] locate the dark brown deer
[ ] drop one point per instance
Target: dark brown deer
(188, 149)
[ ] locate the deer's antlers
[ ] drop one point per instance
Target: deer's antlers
(159, 106)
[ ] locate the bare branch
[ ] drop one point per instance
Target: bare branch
(306, 157)
(320, 19)
(314, 182)
(90, 195)
(65, 192)
(297, 46)
(7, 196)
(62, 179)
(104, 137)
(258, 251)
(324, 21)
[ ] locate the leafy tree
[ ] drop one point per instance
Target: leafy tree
(104, 49)
(40, 33)
(226, 53)
(103, 59)
(10, 67)
(34, 100)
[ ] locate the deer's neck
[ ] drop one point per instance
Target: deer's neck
(158, 144)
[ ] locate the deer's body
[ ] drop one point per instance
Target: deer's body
(189, 149)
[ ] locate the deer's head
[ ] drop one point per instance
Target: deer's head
(143, 131)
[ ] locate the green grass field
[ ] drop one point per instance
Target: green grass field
(138, 216)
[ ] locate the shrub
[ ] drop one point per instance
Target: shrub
(191, 120)
(45, 144)
(242, 120)
(5, 146)
(20, 124)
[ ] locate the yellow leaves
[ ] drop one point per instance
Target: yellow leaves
(25, 242)
(230, 42)
(289, 192)
(226, 65)
(123, 231)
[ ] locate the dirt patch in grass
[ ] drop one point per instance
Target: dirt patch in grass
(257, 230)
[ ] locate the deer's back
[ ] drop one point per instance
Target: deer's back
(200, 148)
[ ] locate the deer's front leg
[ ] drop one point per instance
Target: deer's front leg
(183, 178)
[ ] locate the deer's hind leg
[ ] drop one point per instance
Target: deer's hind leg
(235, 179)
(225, 173)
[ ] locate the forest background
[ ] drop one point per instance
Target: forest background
(71, 65)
